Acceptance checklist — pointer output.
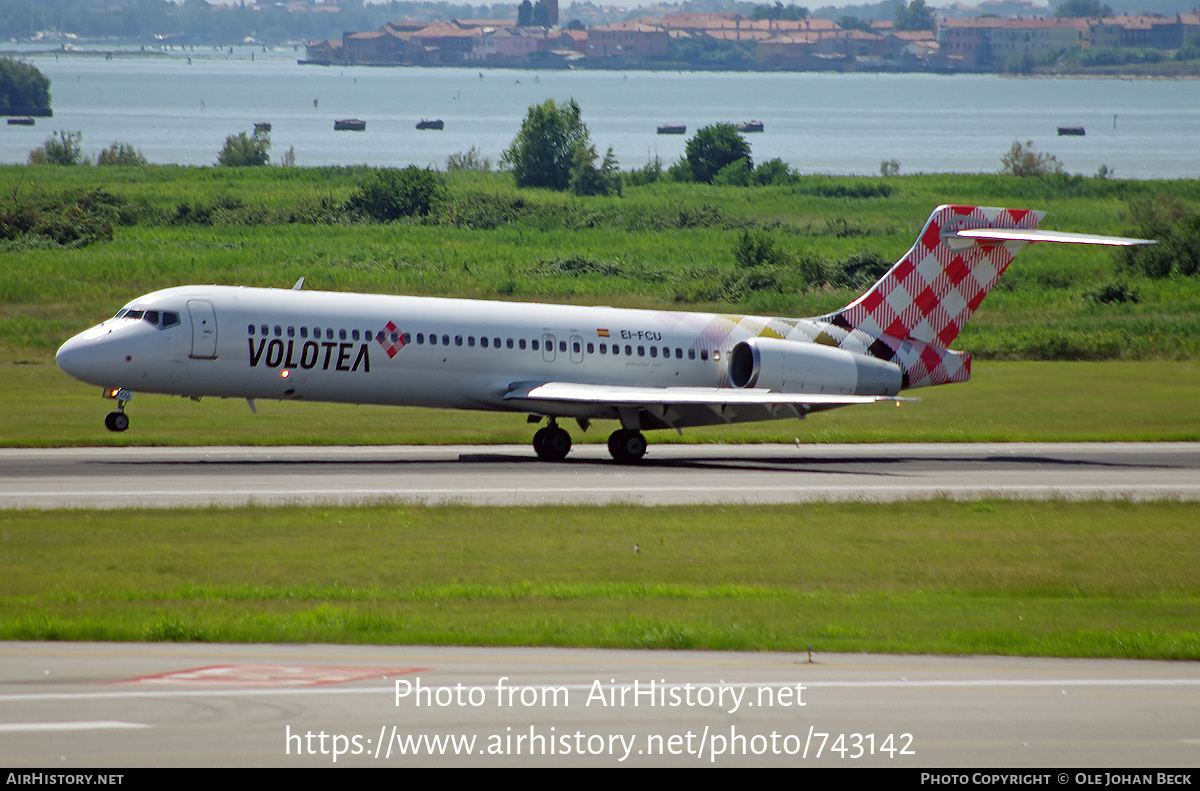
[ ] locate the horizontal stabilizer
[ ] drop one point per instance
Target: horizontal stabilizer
(1029, 235)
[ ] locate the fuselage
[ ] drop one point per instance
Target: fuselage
(415, 351)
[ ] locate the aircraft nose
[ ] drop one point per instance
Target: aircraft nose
(74, 357)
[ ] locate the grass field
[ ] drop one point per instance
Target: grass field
(1081, 579)
(659, 245)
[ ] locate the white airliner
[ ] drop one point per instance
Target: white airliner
(646, 369)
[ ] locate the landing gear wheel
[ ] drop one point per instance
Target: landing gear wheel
(116, 421)
(552, 443)
(539, 442)
(627, 446)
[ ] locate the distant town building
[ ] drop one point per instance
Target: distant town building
(630, 40)
(987, 44)
(976, 44)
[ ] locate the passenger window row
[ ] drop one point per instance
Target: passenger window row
(315, 333)
(470, 341)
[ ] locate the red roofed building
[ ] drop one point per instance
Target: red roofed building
(635, 40)
(325, 52)
(376, 48)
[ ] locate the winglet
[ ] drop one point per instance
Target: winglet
(299, 285)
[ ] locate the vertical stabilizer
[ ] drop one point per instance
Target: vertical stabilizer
(932, 291)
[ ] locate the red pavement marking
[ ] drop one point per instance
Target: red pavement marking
(272, 675)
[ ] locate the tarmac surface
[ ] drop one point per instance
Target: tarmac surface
(670, 474)
(72, 705)
(69, 705)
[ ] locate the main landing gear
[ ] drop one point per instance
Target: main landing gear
(627, 446)
(552, 443)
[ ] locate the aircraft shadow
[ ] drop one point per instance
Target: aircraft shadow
(877, 465)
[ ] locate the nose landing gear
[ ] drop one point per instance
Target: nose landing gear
(118, 421)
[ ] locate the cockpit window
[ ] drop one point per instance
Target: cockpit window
(165, 318)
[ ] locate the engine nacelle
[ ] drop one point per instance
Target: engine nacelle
(798, 367)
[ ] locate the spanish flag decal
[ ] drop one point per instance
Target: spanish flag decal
(602, 333)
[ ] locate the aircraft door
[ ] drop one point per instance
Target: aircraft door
(548, 347)
(204, 329)
(576, 349)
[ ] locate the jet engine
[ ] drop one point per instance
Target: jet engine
(798, 367)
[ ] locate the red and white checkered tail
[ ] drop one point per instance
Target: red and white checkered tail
(931, 292)
(918, 308)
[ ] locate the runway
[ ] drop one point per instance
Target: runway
(65, 706)
(670, 474)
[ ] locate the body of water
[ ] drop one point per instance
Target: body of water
(179, 107)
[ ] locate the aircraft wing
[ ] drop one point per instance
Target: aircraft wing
(618, 395)
(675, 407)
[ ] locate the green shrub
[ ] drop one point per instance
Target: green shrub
(735, 174)
(61, 148)
(681, 172)
(754, 249)
(714, 147)
(1112, 293)
(813, 270)
(121, 154)
(587, 179)
(187, 214)
(1023, 161)
(242, 150)
(860, 270)
(468, 160)
(543, 152)
(840, 189)
(703, 216)
(1169, 221)
(18, 214)
(73, 219)
(391, 194)
(649, 173)
(774, 172)
(579, 266)
(485, 211)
